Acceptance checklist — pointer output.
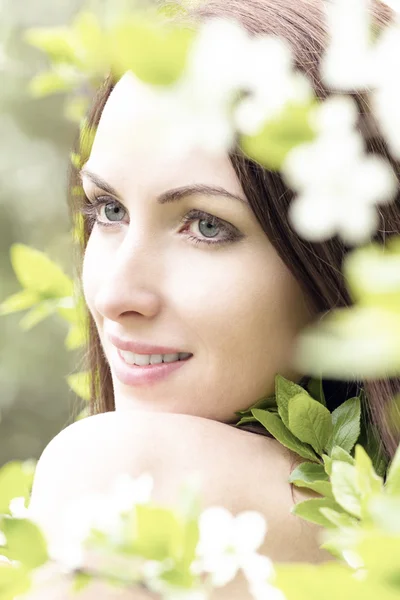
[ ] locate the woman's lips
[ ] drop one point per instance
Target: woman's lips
(135, 375)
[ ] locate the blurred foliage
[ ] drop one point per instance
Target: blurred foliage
(35, 399)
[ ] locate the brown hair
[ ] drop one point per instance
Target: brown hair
(317, 266)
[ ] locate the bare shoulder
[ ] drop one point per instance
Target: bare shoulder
(237, 469)
(138, 441)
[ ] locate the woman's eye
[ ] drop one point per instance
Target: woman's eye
(113, 212)
(105, 212)
(211, 229)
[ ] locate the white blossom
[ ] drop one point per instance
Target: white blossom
(346, 63)
(102, 512)
(354, 62)
(266, 591)
(337, 183)
(202, 109)
(353, 559)
(229, 543)
(386, 94)
(226, 59)
(18, 509)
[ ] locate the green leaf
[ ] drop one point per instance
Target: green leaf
(158, 532)
(345, 488)
(76, 337)
(276, 427)
(373, 275)
(56, 42)
(346, 425)
(19, 301)
(90, 41)
(341, 454)
(36, 272)
(339, 540)
(156, 54)
(368, 481)
(385, 513)
(357, 342)
(321, 487)
(16, 480)
(50, 82)
(37, 314)
(380, 553)
(309, 472)
(245, 420)
(313, 477)
(310, 510)
(14, 580)
(392, 485)
(264, 403)
(73, 309)
(284, 391)
(327, 463)
(316, 390)
(328, 581)
(280, 135)
(80, 384)
(310, 421)
(339, 519)
(25, 542)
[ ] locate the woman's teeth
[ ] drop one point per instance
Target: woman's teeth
(142, 360)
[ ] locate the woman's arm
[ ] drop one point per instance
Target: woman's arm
(239, 470)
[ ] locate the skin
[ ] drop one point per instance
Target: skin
(235, 306)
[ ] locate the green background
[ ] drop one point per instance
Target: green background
(35, 400)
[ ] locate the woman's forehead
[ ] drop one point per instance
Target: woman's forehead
(121, 151)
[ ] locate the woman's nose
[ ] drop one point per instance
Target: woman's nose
(132, 283)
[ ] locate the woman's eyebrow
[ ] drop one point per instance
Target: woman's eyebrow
(173, 195)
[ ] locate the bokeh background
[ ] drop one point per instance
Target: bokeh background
(35, 399)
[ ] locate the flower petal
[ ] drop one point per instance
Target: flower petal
(249, 531)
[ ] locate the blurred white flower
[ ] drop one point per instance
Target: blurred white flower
(128, 491)
(226, 59)
(101, 512)
(353, 559)
(346, 62)
(337, 183)
(266, 591)
(3, 539)
(354, 62)
(229, 543)
(18, 509)
(386, 95)
(202, 109)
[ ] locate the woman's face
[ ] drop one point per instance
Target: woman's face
(213, 286)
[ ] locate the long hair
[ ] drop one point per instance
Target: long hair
(316, 266)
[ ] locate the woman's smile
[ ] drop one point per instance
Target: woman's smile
(145, 374)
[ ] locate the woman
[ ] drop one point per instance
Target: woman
(193, 262)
